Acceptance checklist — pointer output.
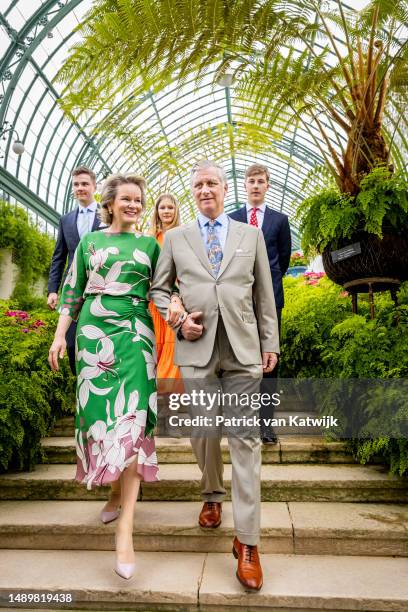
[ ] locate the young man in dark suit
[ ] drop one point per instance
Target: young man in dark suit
(276, 231)
(72, 227)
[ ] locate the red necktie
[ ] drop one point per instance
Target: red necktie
(253, 220)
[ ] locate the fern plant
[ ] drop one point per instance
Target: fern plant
(338, 74)
(329, 216)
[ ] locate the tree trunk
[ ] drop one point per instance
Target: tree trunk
(366, 148)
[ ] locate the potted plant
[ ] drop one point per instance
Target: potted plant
(375, 220)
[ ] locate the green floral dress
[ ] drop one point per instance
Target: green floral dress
(106, 289)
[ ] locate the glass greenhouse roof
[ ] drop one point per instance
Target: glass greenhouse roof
(162, 136)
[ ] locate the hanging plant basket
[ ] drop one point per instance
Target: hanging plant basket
(380, 257)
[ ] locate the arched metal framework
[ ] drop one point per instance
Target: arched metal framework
(36, 36)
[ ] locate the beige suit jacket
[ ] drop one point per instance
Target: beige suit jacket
(242, 293)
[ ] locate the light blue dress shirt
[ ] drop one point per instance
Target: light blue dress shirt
(84, 225)
(221, 228)
(260, 213)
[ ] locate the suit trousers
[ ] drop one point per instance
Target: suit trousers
(70, 339)
(269, 385)
(223, 373)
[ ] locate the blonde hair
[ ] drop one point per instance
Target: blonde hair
(110, 190)
(156, 225)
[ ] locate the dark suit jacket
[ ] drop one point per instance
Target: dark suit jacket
(67, 242)
(278, 241)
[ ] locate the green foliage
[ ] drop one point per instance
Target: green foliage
(330, 216)
(31, 395)
(394, 450)
(321, 338)
(32, 250)
(311, 311)
(278, 53)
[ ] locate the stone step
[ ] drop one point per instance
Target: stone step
(206, 581)
(63, 427)
(293, 528)
(181, 482)
(289, 449)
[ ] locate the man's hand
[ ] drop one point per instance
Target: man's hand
(269, 361)
(175, 312)
(192, 329)
(52, 300)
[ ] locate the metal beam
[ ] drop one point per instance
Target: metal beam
(24, 195)
(229, 116)
(28, 51)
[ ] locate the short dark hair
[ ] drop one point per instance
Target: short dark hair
(84, 170)
(257, 169)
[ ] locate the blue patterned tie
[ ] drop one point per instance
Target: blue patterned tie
(214, 249)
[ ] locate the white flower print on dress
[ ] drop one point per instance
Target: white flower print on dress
(99, 256)
(131, 423)
(80, 450)
(148, 460)
(98, 310)
(150, 360)
(97, 363)
(71, 278)
(109, 445)
(153, 402)
(106, 446)
(98, 284)
(86, 386)
(120, 401)
(143, 330)
(92, 332)
(142, 257)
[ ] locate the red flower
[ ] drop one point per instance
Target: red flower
(20, 314)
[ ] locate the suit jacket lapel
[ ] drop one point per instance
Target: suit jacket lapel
(193, 236)
(243, 214)
(96, 222)
(234, 237)
(74, 227)
(267, 222)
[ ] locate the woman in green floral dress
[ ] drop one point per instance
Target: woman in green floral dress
(107, 290)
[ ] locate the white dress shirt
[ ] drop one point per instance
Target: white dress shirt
(86, 218)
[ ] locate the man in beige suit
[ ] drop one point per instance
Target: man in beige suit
(229, 335)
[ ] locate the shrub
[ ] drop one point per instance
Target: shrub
(321, 338)
(32, 250)
(31, 395)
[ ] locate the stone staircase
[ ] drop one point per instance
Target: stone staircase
(334, 535)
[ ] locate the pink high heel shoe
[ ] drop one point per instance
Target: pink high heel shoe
(124, 570)
(109, 516)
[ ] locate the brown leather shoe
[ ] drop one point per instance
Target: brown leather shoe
(210, 515)
(249, 571)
